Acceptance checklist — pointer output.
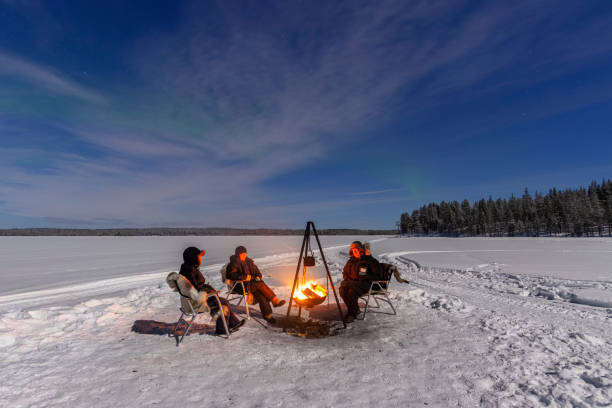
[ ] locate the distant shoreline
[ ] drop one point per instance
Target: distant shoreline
(136, 232)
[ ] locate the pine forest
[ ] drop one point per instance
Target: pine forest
(571, 212)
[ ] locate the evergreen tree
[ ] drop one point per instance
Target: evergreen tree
(529, 215)
(466, 210)
(596, 216)
(608, 206)
(404, 222)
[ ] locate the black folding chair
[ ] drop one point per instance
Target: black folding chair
(379, 290)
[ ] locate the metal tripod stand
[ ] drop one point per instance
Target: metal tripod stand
(303, 252)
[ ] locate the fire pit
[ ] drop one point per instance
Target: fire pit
(310, 295)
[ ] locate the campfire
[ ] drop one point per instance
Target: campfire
(310, 294)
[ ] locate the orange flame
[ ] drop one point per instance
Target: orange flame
(312, 286)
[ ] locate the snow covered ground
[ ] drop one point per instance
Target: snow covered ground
(484, 322)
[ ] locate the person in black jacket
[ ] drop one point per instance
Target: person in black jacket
(190, 269)
(359, 272)
(242, 268)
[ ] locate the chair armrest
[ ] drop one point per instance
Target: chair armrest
(232, 285)
(379, 283)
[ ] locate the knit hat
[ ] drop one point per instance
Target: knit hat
(240, 250)
(190, 255)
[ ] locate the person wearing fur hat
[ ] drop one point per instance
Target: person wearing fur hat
(242, 268)
(358, 273)
(190, 269)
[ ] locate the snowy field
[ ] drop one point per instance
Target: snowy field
(484, 322)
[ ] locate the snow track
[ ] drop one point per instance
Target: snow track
(463, 336)
(542, 350)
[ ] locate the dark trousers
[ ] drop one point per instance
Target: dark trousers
(350, 290)
(262, 294)
(232, 318)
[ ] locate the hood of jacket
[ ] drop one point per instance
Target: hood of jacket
(190, 256)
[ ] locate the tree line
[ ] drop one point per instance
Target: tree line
(181, 231)
(572, 212)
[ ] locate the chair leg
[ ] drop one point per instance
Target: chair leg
(227, 333)
(246, 305)
(389, 302)
(188, 327)
(176, 327)
(375, 301)
(224, 319)
(246, 300)
(365, 311)
(232, 296)
(240, 298)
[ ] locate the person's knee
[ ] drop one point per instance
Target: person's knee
(352, 294)
(342, 292)
(226, 310)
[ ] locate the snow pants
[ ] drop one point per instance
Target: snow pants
(350, 290)
(232, 319)
(262, 294)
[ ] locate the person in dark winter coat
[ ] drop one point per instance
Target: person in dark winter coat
(190, 269)
(242, 268)
(359, 272)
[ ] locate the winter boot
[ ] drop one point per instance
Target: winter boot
(276, 302)
(270, 319)
(349, 318)
(237, 326)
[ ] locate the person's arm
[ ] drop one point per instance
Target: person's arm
(209, 289)
(345, 271)
(235, 272)
(199, 282)
(255, 273)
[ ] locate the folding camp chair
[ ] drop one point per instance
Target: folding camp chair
(232, 294)
(379, 291)
(194, 313)
(175, 281)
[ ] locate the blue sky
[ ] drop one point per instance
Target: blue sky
(253, 114)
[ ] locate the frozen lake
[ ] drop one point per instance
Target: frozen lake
(54, 269)
(35, 263)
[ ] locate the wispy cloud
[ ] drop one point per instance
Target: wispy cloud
(13, 66)
(214, 111)
(275, 88)
(129, 142)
